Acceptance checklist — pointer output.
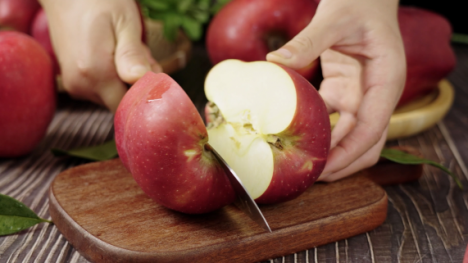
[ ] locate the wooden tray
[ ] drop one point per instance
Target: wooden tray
(102, 212)
(418, 115)
(172, 56)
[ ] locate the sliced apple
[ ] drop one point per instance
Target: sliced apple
(270, 125)
(266, 120)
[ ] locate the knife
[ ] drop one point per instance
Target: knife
(243, 199)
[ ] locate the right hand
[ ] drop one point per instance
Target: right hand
(363, 63)
(99, 48)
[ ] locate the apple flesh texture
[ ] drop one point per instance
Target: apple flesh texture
(271, 127)
(248, 30)
(429, 56)
(160, 138)
(27, 93)
(17, 14)
(40, 31)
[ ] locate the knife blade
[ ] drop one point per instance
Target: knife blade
(243, 201)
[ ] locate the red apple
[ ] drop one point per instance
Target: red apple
(465, 258)
(249, 30)
(40, 31)
(27, 94)
(271, 126)
(17, 14)
(429, 56)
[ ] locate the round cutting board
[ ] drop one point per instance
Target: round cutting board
(418, 115)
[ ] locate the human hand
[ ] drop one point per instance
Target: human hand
(99, 48)
(363, 64)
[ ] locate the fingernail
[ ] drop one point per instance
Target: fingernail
(139, 70)
(282, 52)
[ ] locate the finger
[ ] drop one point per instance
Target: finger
(111, 93)
(373, 117)
(367, 160)
(345, 125)
(307, 46)
(130, 54)
(341, 88)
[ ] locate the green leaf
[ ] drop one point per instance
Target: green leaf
(171, 23)
(156, 15)
(184, 5)
(204, 4)
(16, 216)
(192, 27)
(459, 38)
(145, 11)
(155, 4)
(406, 158)
(200, 16)
(102, 152)
(218, 6)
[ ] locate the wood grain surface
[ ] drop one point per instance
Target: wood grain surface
(103, 213)
(427, 221)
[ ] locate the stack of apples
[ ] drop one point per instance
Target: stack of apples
(27, 92)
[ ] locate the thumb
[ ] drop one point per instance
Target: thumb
(306, 46)
(131, 57)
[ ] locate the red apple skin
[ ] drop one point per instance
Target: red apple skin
(27, 93)
(40, 31)
(243, 29)
(17, 14)
(309, 136)
(429, 56)
(155, 123)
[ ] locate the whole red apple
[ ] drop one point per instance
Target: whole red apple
(248, 30)
(269, 124)
(17, 14)
(27, 93)
(40, 31)
(429, 56)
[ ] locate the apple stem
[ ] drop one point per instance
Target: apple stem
(275, 141)
(275, 41)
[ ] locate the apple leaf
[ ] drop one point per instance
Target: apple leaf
(406, 158)
(459, 38)
(192, 27)
(102, 152)
(16, 216)
(184, 5)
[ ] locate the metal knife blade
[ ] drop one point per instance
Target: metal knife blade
(243, 199)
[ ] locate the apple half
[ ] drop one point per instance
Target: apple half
(266, 120)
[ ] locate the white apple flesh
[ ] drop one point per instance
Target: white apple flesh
(268, 122)
(270, 125)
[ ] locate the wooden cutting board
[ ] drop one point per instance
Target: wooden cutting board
(102, 212)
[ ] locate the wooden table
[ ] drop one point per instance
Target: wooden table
(427, 220)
